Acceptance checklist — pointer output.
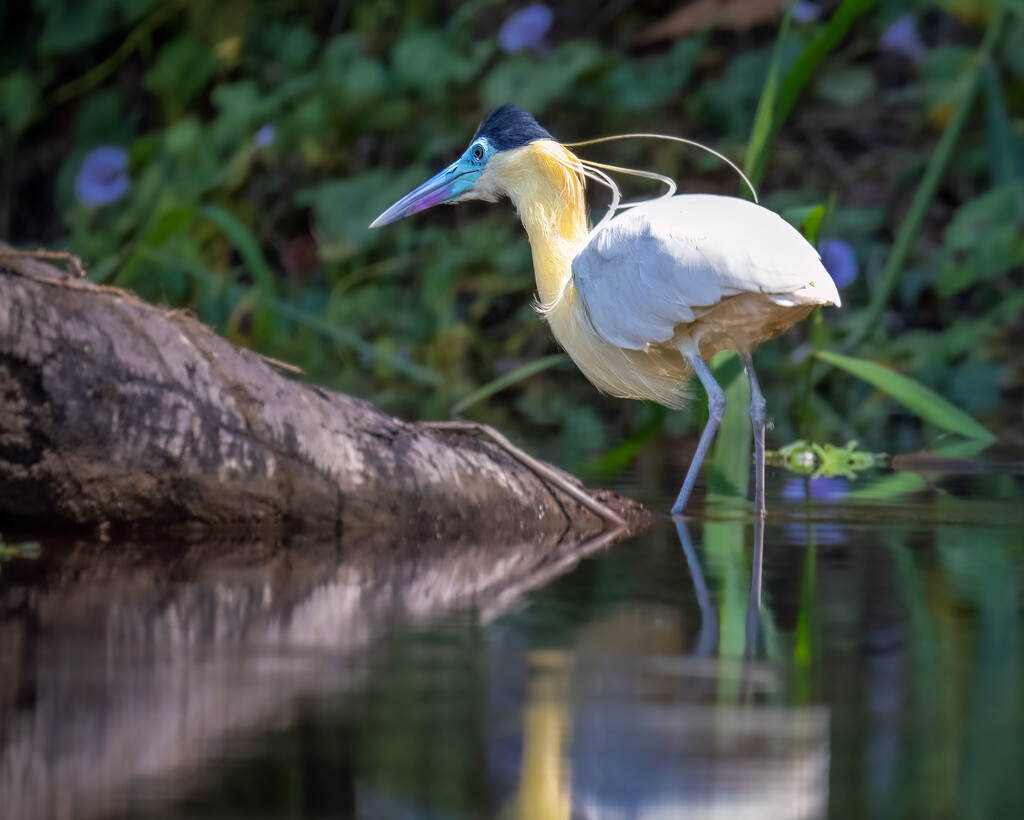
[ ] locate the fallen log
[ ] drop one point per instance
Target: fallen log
(114, 411)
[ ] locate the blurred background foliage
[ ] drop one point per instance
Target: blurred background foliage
(229, 156)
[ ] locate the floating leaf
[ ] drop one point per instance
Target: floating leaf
(920, 400)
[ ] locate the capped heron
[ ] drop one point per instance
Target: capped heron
(643, 299)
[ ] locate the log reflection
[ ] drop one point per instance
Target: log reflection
(132, 663)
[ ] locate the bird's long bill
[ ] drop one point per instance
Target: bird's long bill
(434, 191)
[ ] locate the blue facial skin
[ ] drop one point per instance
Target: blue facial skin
(447, 187)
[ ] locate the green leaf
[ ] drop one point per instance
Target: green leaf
(19, 93)
(75, 26)
(499, 384)
(423, 61)
(1011, 50)
(101, 119)
(293, 45)
(1014, 7)
(925, 403)
(344, 208)
(330, 330)
(983, 240)
(535, 84)
(807, 218)
(846, 86)
(241, 104)
(182, 69)
(1006, 156)
(640, 85)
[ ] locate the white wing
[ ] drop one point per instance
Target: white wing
(647, 271)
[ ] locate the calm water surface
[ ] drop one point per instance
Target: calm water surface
(877, 669)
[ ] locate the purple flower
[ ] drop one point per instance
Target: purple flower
(525, 29)
(265, 137)
(823, 491)
(806, 12)
(901, 38)
(103, 176)
(820, 489)
(840, 261)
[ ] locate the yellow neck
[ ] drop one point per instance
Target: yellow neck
(545, 183)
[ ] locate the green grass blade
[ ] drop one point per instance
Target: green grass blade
(923, 402)
(806, 622)
(245, 243)
(618, 458)
(177, 219)
(764, 118)
(155, 235)
(777, 99)
(925, 194)
(497, 385)
(806, 66)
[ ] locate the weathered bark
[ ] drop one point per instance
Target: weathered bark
(116, 411)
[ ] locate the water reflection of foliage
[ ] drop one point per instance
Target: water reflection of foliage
(907, 633)
(25, 549)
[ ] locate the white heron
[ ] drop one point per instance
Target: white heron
(644, 298)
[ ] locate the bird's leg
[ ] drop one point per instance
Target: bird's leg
(757, 421)
(753, 637)
(707, 642)
(716, 409)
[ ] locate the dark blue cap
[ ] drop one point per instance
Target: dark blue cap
(510, 127)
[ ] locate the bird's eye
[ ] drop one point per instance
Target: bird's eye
(478, 152)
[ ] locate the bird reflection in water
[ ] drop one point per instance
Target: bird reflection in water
(614, 729)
